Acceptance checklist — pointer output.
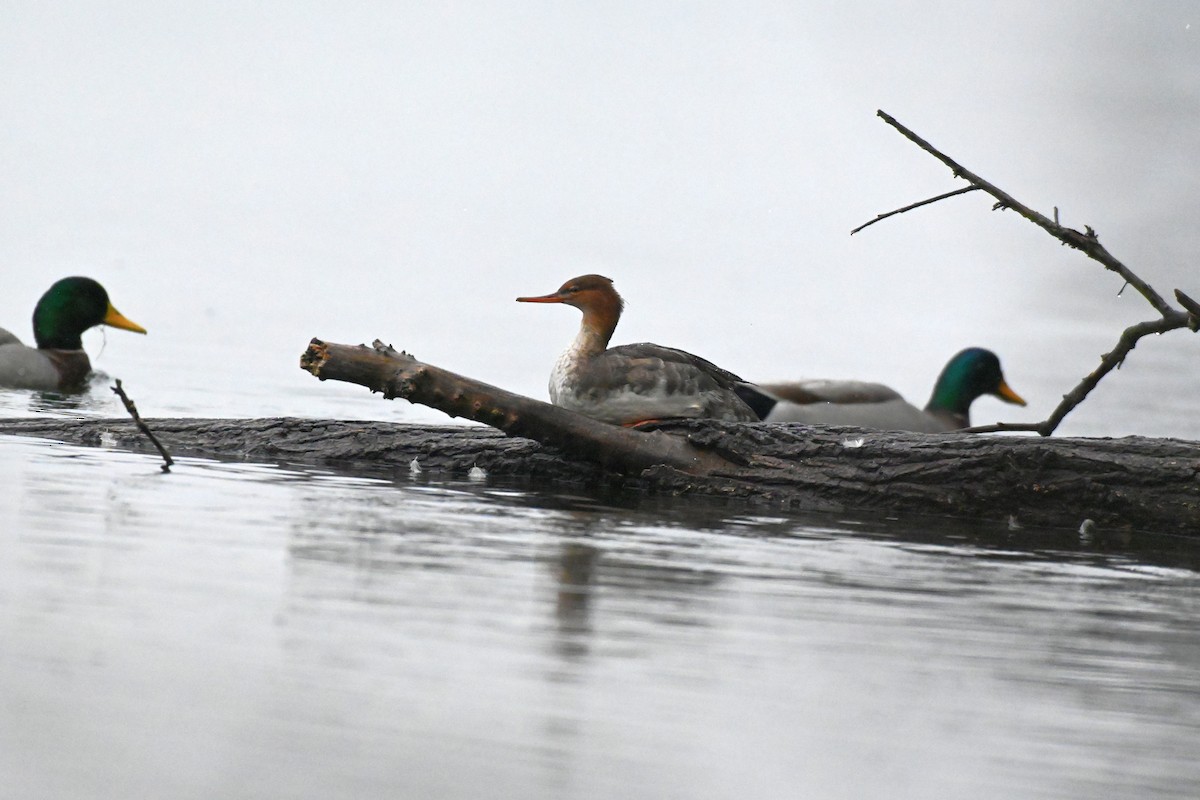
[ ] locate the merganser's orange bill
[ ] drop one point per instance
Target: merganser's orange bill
(546, 298)
(1005, 393)
(117, 320)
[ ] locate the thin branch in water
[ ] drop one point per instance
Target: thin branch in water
(137, 418)
(964, 190)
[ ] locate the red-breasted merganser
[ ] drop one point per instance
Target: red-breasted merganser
(633, 383)
(971, 373)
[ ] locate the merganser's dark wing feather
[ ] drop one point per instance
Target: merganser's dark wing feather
(672, 383)
(670, 356)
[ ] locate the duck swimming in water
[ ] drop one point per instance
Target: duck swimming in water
(632, 383)
(970, 374)
(59, 363)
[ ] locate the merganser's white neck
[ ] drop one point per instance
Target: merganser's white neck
(595, 330)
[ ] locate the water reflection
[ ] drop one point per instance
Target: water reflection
(574, 575)
(297, 632)
(622, 583)
(91, 403)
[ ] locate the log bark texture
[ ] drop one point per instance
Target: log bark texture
(1129, 483)
(450, 450)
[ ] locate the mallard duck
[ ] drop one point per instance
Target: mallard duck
(59, 363)
(633, 383)
(971, 373)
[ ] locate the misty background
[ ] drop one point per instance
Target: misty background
(243, 179)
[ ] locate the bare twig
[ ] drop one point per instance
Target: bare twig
(137, 418)
(918, 204)
(1108, 362)
(1087, 241)
(1171, 318)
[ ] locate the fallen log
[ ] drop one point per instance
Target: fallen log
(1129, 483)
(1134, 482)
(351, 445)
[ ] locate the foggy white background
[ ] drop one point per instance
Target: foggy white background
(242, 179)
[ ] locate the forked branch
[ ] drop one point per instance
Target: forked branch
(1170, 318)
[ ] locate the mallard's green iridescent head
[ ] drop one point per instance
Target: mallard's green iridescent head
(971, 373)
(70, 307)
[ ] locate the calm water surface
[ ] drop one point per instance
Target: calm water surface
(246, 630)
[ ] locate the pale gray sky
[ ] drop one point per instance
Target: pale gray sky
(257, 176)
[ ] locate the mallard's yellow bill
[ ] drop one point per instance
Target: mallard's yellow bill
(117, 320)
(1005, 393)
